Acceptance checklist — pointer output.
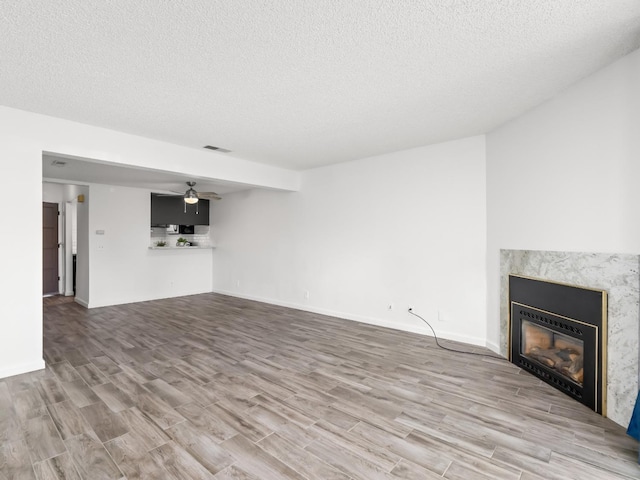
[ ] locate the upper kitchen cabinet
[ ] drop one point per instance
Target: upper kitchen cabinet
(170, 210)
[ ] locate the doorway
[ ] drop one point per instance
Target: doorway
(50, 247)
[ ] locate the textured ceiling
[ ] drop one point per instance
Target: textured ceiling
(303, 83)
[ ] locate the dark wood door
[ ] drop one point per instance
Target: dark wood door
(49, 248)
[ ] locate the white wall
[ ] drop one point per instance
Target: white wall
(53, 192)
(566, 175)
(24, 136)
(122, 269)
(21, 292)
(403, 228)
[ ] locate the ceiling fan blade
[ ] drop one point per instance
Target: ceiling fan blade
(203, 195)
(209, 196)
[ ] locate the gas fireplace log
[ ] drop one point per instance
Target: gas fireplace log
(549, 357)
(565, 360)
(577, 364)
(579, 377)
(575, 376)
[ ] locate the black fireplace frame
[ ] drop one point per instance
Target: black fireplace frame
(574, 311)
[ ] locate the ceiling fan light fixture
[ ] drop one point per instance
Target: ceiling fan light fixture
(191, 196)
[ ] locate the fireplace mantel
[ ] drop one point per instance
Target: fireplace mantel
(618, 274)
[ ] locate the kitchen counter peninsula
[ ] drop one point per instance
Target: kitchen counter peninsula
(191, 247)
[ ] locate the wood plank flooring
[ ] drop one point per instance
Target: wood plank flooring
(215, 387)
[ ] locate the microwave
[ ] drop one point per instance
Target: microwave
(186, 229)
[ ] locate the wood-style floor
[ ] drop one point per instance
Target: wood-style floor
(53, 300)
(209, 386)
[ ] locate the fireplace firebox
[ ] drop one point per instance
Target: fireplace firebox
(558, 333)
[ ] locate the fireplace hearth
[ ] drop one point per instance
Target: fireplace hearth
(558, 333)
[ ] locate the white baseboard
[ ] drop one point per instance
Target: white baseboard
(127, 301)
(422, 330)
(81, 302)
(23, 368)
(494, 347)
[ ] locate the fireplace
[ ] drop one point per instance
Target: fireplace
(558, 332)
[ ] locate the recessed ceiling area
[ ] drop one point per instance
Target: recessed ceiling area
(303, 84)
(80, 171)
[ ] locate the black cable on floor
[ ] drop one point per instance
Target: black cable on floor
(452, 349)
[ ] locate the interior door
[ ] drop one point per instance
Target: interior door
(49, 248)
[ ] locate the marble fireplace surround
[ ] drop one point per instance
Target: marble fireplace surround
(619, 275)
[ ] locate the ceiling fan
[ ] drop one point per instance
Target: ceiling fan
(191, 196)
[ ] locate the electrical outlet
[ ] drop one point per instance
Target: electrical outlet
(441, 316)
(410, 308)
(238, 283)
(306, 294)
(390, 306)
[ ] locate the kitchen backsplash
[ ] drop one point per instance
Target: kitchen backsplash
(200, 238)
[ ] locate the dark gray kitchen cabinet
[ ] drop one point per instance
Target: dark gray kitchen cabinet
(170, 210)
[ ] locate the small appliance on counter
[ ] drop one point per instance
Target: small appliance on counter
(186, 229)
(172, 229)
